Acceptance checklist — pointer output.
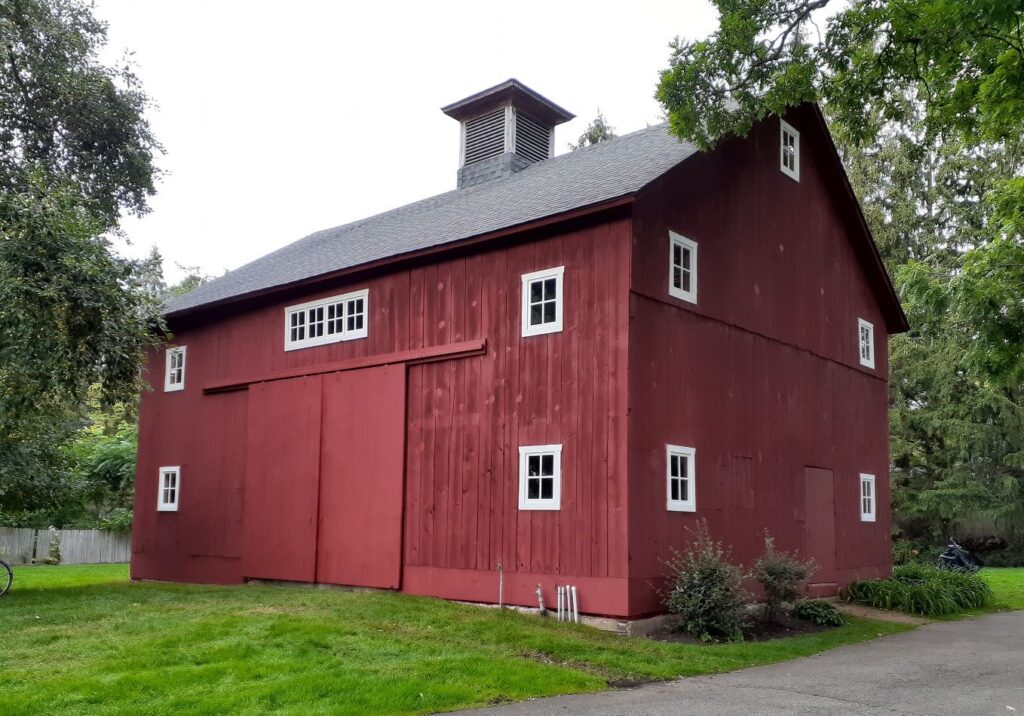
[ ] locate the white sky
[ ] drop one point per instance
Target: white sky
(283, 118)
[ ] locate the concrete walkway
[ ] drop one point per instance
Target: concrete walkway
(964, 668)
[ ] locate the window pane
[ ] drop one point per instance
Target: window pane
(536, 314)
(547, 490)
(549, 289)
(675, 489)
(536, 291)
(686, 280)
(677, 255)
(547, 465)
(684, 489)
(686, 260)
(677, 277)
(533, 489)
(684, 466)
(673, 466)
(533, 465)
(549, 312)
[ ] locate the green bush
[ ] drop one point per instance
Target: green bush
(1004, 558)
(922, 589)
(818, 611)
(782, 576)
(706, 590)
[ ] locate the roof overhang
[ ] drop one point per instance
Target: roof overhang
(513, 92)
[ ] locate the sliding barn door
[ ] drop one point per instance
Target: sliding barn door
(362, 465)
(282, 480)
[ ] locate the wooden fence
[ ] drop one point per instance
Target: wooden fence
(29, 546)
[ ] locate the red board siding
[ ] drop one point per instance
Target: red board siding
(466, 418)
(762, 375)
(362, 455)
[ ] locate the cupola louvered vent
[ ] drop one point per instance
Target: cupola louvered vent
(485, 136)
(505, 129)
(533, 139)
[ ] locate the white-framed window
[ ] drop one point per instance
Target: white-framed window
(174, 369)
(682, 267)
(328, 320)
(789, 150)
(680, 471)
(866, 342)
(542, 301)
(169, 489)
(540, 477)
(867, 497)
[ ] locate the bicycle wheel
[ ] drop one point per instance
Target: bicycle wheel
(6, 578)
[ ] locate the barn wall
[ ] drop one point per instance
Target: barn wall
(762, 375)
(466, 420)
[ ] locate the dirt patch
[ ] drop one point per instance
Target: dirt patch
(784, 626)
(860, 610)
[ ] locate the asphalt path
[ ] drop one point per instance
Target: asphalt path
(968, 667)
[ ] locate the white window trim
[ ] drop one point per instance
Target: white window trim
(867, 478)
(162, 506)
(555, 503)
(690, 454)
(168, 385)
(674, 239)
(345, 335)
(785, 127)
(868, 362)
(557, 273)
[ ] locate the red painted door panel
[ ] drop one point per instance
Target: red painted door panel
(362, 466)
(282, 479)
(820, 523)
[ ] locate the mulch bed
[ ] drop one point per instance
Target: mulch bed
(783, 626)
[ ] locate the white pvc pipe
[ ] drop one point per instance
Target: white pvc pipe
(561, 601)
(575, 606)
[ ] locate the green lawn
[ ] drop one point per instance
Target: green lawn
(1008, 586)
(84, 639)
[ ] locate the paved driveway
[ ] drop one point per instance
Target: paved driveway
(963, 668)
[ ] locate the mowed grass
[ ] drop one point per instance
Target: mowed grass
(83, 639)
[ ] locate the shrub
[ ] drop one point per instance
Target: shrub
(818, 611)
(922, 589)
(1005, 558)
(782, 576)
(706, 589)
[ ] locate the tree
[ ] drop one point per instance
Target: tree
(963, 58)
(596, 132)
(75, 151)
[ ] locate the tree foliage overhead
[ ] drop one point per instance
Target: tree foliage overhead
(966, 58)
(75, 151)
(596, 132)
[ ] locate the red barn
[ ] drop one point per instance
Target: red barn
(550, 372)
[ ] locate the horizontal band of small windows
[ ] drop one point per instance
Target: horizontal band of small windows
(329, 320)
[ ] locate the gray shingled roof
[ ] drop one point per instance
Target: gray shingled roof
(587, 176)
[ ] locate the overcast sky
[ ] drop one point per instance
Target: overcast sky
(283, 118)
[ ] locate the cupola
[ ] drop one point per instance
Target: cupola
(504, 129)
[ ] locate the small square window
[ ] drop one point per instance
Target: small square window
(681, 474)
(682, 267)
(169, 489)
(789, 150)
(329, 320)
(174, 370)
(866, 342)
(867, 497)
(542, 301)
(540, 477)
